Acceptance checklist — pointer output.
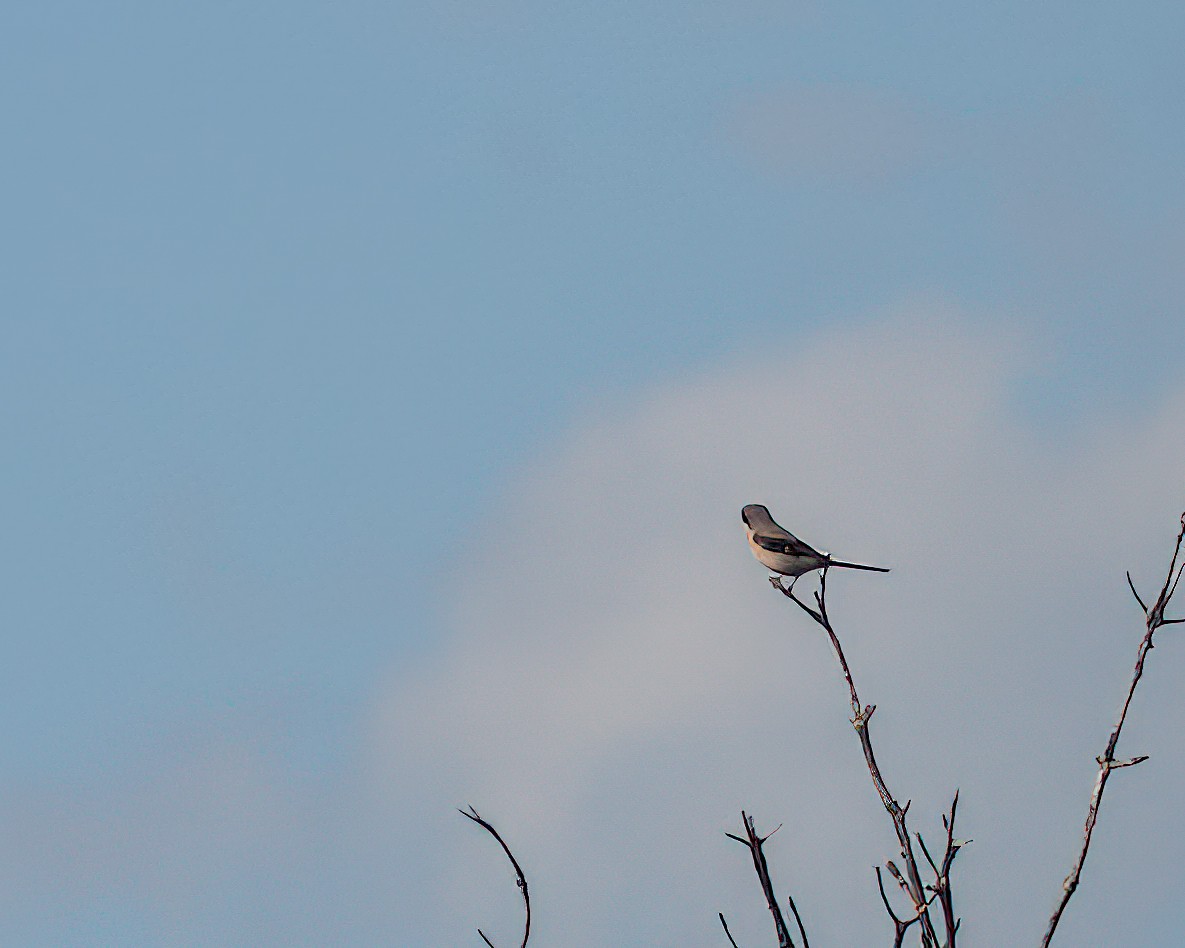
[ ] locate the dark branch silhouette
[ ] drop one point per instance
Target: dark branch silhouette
(521, 879)
(755, 844)
(911, 882)
(731, 940)
(798, 921)
(941, 885)
(901, 926)
(1153, 620)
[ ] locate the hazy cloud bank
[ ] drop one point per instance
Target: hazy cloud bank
(616, 680)
(621, 680)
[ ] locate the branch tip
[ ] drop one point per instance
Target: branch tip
(1132, 587)
(731, 940)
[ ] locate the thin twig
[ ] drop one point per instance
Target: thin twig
(731, 940)
(926, 853)
(1180, 570)
(860, 721)
(798, 921)
(1132, 587)
(472, 814)
(1154, 619)
(755, 842)
(942, 876)
(900, 927)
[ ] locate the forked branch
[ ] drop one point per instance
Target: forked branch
(941, 885)
(521, 879)
(1153, 620)
(900, 925)
(911, 881)
(755, 844)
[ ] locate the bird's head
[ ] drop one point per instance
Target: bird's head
(753, 512)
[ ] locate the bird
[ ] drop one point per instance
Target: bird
(780, 550)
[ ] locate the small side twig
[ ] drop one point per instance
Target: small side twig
(798, 921)
(941, 887)
(755, 844)
(521, 879)
(1132, 587)
(1153, 620)
(900, 926)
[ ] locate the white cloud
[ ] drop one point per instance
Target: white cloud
(621, 680)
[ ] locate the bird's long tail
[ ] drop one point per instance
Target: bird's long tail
(874, 569)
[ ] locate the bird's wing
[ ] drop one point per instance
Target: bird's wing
(788, 544)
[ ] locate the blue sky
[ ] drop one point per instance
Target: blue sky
(302, 298)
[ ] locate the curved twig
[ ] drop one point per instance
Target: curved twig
(900, 926)
(1132, 587)
(472, 814)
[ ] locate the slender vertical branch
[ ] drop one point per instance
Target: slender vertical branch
(941, 887)
(860, 721)
(1153, 620)
(521, 879)
(731, 940)
(755, 843)
(798, 921)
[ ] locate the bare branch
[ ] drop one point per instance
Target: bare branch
(942, 889)
(788, 592)
(731, 940)
(860, 721)
(1170, 582)
(798, 921)
(880, 882)
(1132, 587)
(926, 853)
(1180, 570)
(755, 842)
(1154, 619)
(521, 879)
(900, 927)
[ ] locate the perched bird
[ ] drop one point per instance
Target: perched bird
(781, 551)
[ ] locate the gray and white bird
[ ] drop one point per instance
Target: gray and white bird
(781, 551)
